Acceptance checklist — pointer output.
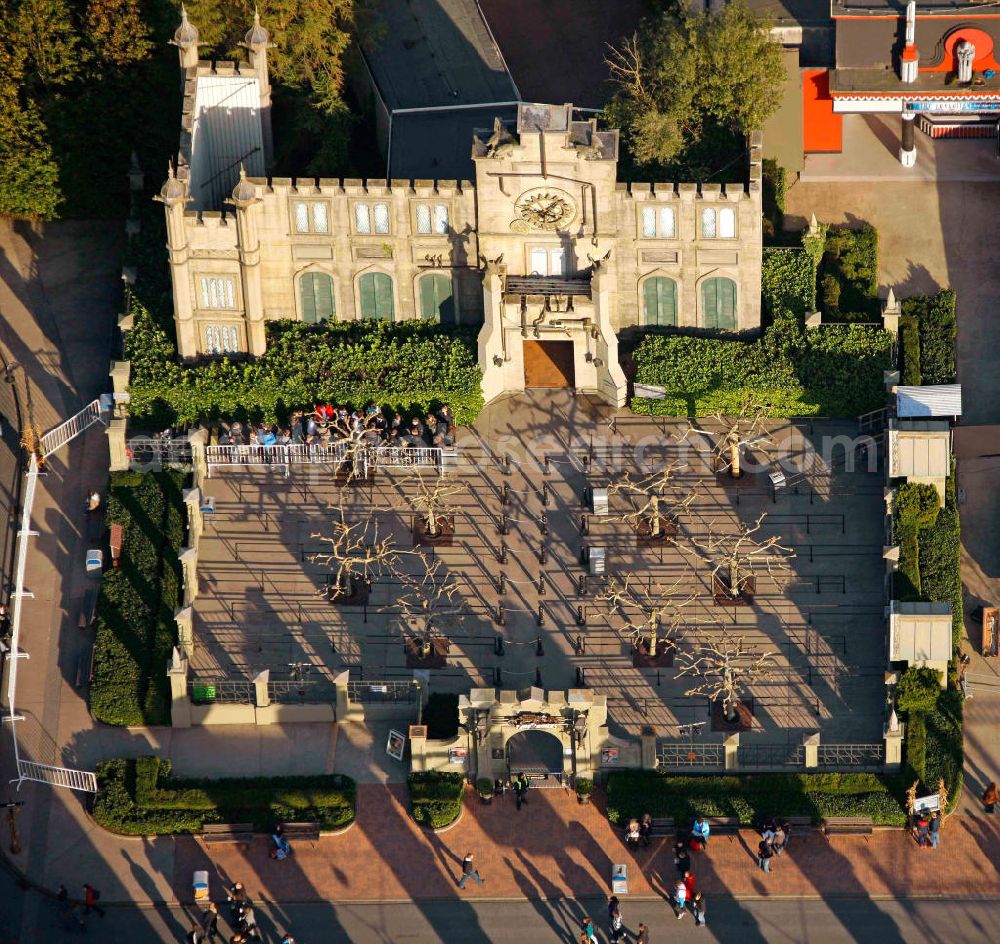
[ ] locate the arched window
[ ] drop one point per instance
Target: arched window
(375, 289)
(437, 302)
(316, 296)
(659, 302)
(718, 304)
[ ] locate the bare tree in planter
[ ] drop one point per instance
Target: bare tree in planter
(656, 505)
(427, 602)
(430, 497)
(735, 559)
(736, 434)
(356, 555)
(355, 436)
(724, 670)
(653, 619)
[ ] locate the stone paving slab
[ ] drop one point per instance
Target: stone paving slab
(554, 848)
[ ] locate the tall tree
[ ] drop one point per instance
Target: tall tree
(29, 177)
(680, 75)
(50, 40)
(117, 31)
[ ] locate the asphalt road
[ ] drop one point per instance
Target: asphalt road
(30, 917)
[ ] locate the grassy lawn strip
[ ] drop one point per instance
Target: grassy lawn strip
(140, 798)
(135, 610)
(435, 797)
(752, 797)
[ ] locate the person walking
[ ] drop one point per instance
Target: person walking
(287, 939)
(700, 832)
(764, 855)
(934, 829)
(469, 870)
(615, 929)
(589, 931)
(521, 789)
(642, 934)
(786, 828)
(688, 880)
(195, 935)
(210, 921)
(778, 841)
(90, 896)
(698, 909)
(682, 859)
(679, 899)
(991, 797)
(645, 828)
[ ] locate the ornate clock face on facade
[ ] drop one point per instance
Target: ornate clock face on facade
(544, 208)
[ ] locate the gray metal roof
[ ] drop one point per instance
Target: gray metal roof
(920, 632)
(436, 52)
(934, 400)
(225, 133)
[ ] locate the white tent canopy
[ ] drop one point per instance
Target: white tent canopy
(939, 400)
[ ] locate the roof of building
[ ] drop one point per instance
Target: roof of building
(226, 133)
(437, 145)
(920, 632)
(933, 400)
(877, 8)
(436, 52)
(786, 12)
(920, 453)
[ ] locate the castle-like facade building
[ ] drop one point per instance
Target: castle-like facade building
(544, 248)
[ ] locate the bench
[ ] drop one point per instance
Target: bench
(300, 832)
(847, 826)
(723, 825)
(662, 826)
(797, 822)
(227, 832)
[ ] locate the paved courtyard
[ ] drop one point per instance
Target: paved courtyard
(262, 602)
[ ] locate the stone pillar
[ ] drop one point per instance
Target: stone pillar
(115, 431)
(247, 202)
(811, 743)
(647, 747)
(188, 557)
(731, 744)
(184, 618)
(893, 746)
(343, 699)
(891, 312)
(196, 523)
(198, 439)
(908, 149)
(814, 319)
(257, 41)
(186, 41)
(261, 697)
(120, 373)
(174, 196)
(180, 702)
(418, 747)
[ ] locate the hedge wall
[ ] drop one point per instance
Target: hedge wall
(850, 263)
(940, 559)
(935, 319)
(135, 609)
(752, 797)
(138, 797)
(909, 342)
(411, 366)
(788, 280)
(830, 371)
(435, 797)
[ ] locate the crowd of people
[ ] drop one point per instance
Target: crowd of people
(326, 425)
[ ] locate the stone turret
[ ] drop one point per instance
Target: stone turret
(174, 196)
(186, 41)
(258, 41)
(246, 200)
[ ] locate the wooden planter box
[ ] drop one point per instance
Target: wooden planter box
(723, 597)
(668, 531)
(444, 536)
(437, 658)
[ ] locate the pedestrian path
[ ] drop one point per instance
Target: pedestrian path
(554, 847)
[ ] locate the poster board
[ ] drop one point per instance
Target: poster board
(395, 746)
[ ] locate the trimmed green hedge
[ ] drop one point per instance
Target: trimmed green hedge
(135, 609)
(410, 366)
(752, 797)
(435, 797)
(916, 745)
(941, 559)
(138, 797)
(909, 341)
(850, 260)
(936, 323)
(830, 371)
(944, 750)
(788, 280)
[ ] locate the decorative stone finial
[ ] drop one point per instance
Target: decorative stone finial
(186, 34)
(893, 721)
(256, 35)
(244, 193)
(813, 226)
(173, 189)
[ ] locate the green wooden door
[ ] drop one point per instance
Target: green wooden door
(659, 308)
(437, 302)
(316, 294)
(375, 289)
(718, 304)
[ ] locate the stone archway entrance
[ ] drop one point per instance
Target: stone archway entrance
(539, 754)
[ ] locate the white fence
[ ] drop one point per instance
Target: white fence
(286, 456)
(62, 434)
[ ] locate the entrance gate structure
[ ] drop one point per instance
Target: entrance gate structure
(52, 441)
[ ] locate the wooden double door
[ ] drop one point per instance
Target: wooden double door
(548, 364)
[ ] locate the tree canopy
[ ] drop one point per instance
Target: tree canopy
(683, 78)
(918, 689)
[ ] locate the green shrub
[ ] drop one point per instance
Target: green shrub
(788, 280)
(909, 339)
(916, 745)
(935, 317)
(944, 753)
(411, 366)
(751, 797)
(916, 505)
(906, 579)
(831, 295)
(830, 371)
(441, 716)
(484, 787)
(137, 601)
(850, 258)
(940, 558)
(918, 690)
(584, 787)
(435, 797)
(138, 797)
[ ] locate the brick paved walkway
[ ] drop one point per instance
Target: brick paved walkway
(556, 848)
